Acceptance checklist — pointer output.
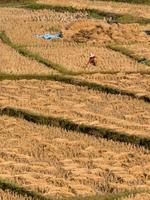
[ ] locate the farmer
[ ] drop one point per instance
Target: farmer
(92, 60)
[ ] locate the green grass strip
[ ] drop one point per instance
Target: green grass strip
(83, 128)
(6, 185)
(77, 82)
(129, 53)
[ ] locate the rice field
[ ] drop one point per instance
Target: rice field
(75, 57)
(136, 83)
(54, 161)
(6, 195)
(140, 49)
(58, 163)
(78, 104)
(115, 7)
(23, 27)
(12, 62)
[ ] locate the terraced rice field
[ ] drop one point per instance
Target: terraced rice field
(61, 160)
(140, 49)
(63, 163)
(74, 58)
(136, 83)
(12, 62)
(23, 27)
(115, 7)
(78, 104)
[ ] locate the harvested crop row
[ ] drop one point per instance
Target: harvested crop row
(136, 83)
(63, 163)
(115, 7)
(78, 105)
(6, 195)
(142, 196)
(75, 57)
(140, 49)
(12, 62)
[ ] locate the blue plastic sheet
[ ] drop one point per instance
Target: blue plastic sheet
(49, 36)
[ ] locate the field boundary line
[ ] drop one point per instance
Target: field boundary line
(15, 188)
(66, 124)
(77, 82)
(128, 53)
(6, 185)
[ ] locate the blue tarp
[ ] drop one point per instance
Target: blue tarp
(49, 36)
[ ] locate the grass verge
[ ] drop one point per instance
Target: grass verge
(83, 128)
(77, 82)
(128, 53)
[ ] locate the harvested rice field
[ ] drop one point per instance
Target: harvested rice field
(143, 196)
(78, 104)
(137, 83)
(6, 195)
(69, 128)
(107, 60)
(23, 27)
(12, 62)
(115, 7)
(140, 49)
(62, 163)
